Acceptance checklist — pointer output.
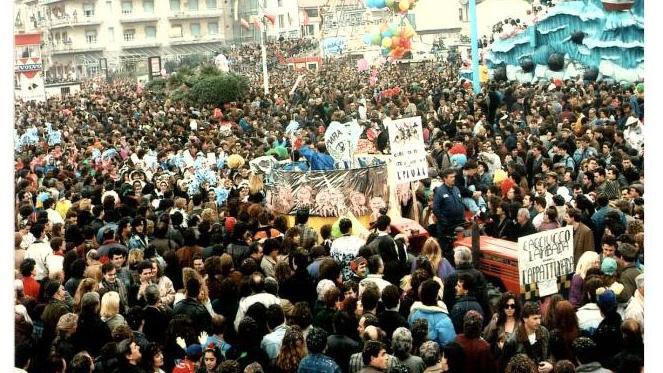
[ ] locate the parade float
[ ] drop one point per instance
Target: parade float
(590, 39)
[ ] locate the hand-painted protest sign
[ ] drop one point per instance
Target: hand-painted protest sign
(333, 45)
(545, 257)
(329, 193)
(406, 140)
(341, 140)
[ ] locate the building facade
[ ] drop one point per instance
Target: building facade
(79, 37)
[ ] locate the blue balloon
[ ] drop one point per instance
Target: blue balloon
(380, 3)
(386, 33)
(385, 52)
(367, 39)
(370, 3)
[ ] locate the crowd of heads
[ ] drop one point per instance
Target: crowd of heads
(121, 264)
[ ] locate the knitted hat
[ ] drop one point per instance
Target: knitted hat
(609, 266)
(429, 351)
(68, 322)
(606, 299)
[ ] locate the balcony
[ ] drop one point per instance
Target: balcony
(137, 18)
(49, 2)
(197, 40)
(70, 21)
(195, 14)
(63, 49)
(140, 44)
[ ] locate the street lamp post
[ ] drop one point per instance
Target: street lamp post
(263, 49)
(474, 39)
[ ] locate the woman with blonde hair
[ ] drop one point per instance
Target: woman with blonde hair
(433, 252)
(587, 261)
(256, 186)
(110, 310)
(85, 286)
(135, 256)
(293, 350)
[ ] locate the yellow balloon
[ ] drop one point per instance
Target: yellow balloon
(404, 5)
(483, 73)
(386, 42)
(409, 31)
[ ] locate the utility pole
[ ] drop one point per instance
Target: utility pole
(474, 39)
(263, 49)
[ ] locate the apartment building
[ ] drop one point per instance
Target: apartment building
(78, 34)
(285, 14)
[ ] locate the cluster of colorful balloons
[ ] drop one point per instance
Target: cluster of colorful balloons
(395, 39)
(401, 6)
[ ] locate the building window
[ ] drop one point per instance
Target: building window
(111, 34)
(195, 29)
(150, 32)
(462, 13)
(64, 91)
(91, 37)
(175, 5)
(213, 28)
(17, 81)
(281, 21)
(312, 12)
(148, 6)
(280, 3)
(109, 6)
(310, 30)
(88, 10)
(127, 7)
(193, 4)
(176, 31)
(129, 35)
(211, 4)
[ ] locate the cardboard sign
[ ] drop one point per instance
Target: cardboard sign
(544, 257)
(406, 139)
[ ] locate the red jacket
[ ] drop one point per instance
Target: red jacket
(31, 287)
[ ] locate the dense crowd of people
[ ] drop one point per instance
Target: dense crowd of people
(127, 261)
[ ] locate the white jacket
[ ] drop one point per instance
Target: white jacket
(39, 251)
(636, 309)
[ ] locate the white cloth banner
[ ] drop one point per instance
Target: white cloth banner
(545, 256)
(341, 140)
(406, 139)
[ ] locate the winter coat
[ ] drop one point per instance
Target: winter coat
(440, 327)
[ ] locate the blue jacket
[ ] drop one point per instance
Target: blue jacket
(318, 161)
(460, 308)
(448, 206)
(440, 327)
(318, 363)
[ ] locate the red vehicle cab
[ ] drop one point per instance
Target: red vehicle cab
(498, 262)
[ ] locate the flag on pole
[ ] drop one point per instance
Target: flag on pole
(256, 22)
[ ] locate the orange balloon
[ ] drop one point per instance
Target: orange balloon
(396, 40)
